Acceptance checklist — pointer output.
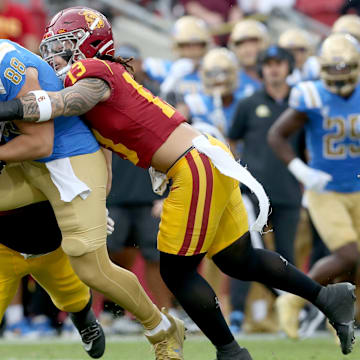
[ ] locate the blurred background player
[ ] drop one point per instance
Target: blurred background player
(247, 39)
(215, 104)
(298, 42)
(44, 259)
(191, 39)
(328, 109)
(349, 24)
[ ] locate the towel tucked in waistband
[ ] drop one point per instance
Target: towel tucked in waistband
(228, 166)
(64, 178)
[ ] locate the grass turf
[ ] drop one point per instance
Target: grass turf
(195, 349)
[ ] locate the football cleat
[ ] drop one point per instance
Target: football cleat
(93, 339)
(90, 330)
(288, 308)
(337, 302)
(168, 345)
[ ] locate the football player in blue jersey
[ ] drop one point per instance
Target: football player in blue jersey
(329, 111)
(299, 43)
(215, 105)
(191, 39)
(247, 39)
(72, 174)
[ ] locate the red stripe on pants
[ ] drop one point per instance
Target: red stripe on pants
(207, 203)
(193, 204)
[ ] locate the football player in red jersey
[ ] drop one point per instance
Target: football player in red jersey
(204, 212)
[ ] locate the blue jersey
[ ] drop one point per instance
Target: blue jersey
(309, 71)
(157, 69)
(189, 84)
(71, 136)
(203, 108)
(247, 84)
(332, 132)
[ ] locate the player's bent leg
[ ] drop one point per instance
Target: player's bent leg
(200, 302)
(121, 286)
(55, 274)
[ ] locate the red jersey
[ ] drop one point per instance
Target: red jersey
(132, 122)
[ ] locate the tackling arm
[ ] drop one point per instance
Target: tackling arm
(73, 100)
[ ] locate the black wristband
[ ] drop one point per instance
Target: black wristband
(11, 110)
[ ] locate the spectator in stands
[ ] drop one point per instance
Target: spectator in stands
(216, 14)
(263, 6)
(213, 12)
(16, 24)
(324, 11)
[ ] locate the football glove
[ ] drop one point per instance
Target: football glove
(312, 179)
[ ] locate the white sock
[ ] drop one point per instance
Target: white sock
(14, 313)
(164, 325)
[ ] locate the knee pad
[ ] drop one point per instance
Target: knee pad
(75, 246)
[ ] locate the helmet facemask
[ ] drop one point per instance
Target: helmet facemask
(66, 46)
(340, 63)
(219, 81)
(340, 78)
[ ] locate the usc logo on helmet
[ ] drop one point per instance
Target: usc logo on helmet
(90, 17)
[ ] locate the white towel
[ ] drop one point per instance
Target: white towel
(64, 178)
(227, 165)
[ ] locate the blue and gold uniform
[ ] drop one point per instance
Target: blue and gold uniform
(333, 141)
(40, 255)
(65, 174)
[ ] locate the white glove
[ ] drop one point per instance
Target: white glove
(178, 70)
(312, 179)
(110, 223)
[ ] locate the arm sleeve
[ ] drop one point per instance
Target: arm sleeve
(239, 120)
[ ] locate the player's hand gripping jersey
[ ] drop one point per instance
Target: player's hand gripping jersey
(132, 122)
(332, 132)
(71, 135)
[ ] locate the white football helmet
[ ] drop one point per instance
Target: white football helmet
(340, 63)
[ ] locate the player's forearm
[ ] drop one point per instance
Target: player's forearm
(74, 100)
(23, 147)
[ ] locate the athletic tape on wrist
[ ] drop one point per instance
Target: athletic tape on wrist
(44, 103)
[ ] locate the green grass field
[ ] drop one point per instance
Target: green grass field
(196, 348)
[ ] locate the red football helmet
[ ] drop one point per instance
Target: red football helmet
(76, 33)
